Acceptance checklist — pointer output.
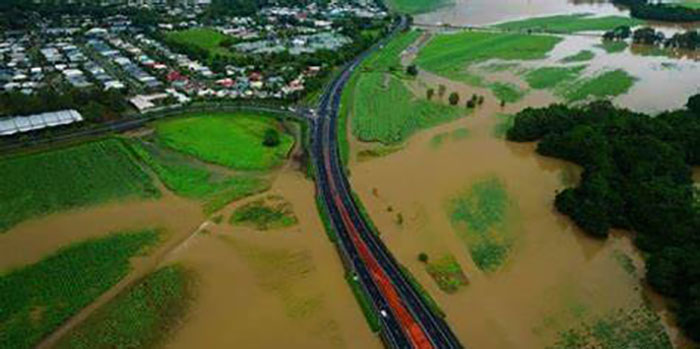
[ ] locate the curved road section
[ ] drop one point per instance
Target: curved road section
(407, 321)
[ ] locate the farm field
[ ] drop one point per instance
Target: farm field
(37, 298)
(144, 315)
(231, 140)
(74, 177)
(203, 38)
(418, 6)
(569, 23)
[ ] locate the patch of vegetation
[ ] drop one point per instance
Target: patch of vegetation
(236, 140)
(142, 316)
(377, 152)
(480, 217)
(323, 212)
(189, 180)
(447, 273)
(581, 56)
(388, 59)
(450, 55)
(384, 110)
(625, 262)
(604, 85)
(204, 39)
(504, 124)
(507, 92)
(636, 176)
(569, 23)
(87, 174)
(552, 77)
(460, 133)
(37, 298)
(365, 303)
(638, 328)
(270, 212)
(613, 46)
(437, 140)
(414, 7)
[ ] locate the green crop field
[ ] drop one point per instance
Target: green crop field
(204, 38)
(36, 299)
(232, 140)
(188, 179)
(551, 77)
(418, 6)
(608, 84)
(271, 212)
(481, 216)
(390, 114)
(449, 55)
(570, 23)
(581, 56)
(141, 317)
(90, 173)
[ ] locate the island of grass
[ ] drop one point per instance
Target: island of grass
(235, 140)
(507, 92)
(205, 39)
(481, 217)
(270, 212)
(581, 56)
(447, 273)
(551, 77)
(37, 298)
(569, 23)
(613, 46)
(37, 184)
(140, 317)
(418, 6)
(602, 85)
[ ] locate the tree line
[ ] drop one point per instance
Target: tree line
(689, 40)
(637, 175)
(93, 103)
(644, 9)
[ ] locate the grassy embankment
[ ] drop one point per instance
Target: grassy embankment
(37, 184)
(203, 38)
(270, 212)
(140, 317)
(452, 55)
(447, 273)
(482, 217)
(37, 298)
(418, 6)
(235, 141)
(569, 23)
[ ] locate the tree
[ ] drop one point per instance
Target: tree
(480, 101)
(430, 93)
(423, 257)
(454, 98)
(412, 70)
(271, 138)
(694, 104)
(471, 104)
(441, 90)
(503, 103)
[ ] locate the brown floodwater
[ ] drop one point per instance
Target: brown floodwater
(271, 289)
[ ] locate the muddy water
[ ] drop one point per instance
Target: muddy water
(271, 289)
(481, 12)
(556, 276)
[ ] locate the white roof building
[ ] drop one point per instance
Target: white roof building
(19, 124)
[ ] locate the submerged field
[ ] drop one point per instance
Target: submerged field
(78, 176)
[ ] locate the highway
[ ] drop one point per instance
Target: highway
(407, 321)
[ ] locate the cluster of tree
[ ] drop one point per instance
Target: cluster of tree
(94, 104)
(645, 9)
(619, 33)
(689, 40)
(637, 176)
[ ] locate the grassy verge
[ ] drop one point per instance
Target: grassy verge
(325, 217)
(480, 216)
(271, 212)
(78, 176)
(36, 299)
(569, 23)
(232, 140)
(365, 303)
(141, 317)
(447, 273)
(427, 298)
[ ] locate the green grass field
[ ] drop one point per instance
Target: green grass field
(391, 114)
(37, 298)
(205, 38)
(191, 180)
(551, 77)
(447, 273)
(507, 92)
(611, 47)
(389, 57)
(603, 85)
(449, 55)
(418, 6)
(365, 303)
(694, 4)
(581, 56)
(78, 176)
(231, 140)
(141, 317)
(271, 212)
(480, 216)
(570, 23)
